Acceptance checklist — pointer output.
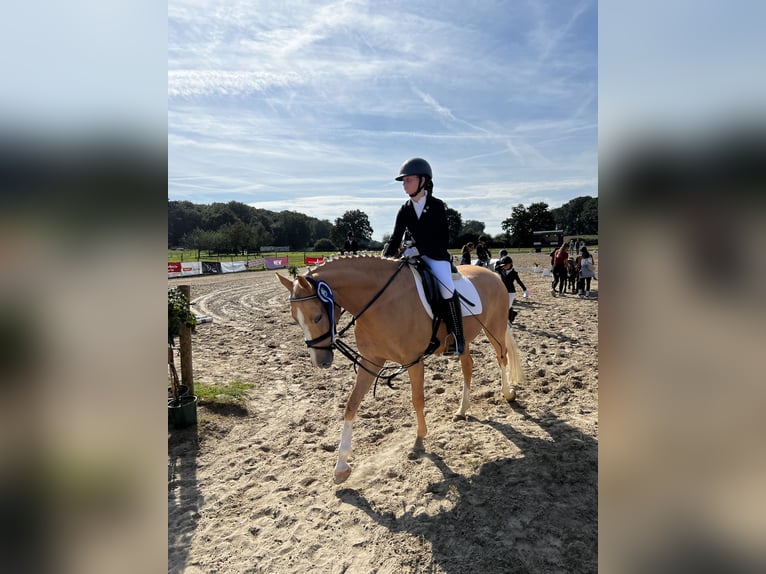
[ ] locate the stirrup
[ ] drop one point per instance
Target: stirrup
(450, 346)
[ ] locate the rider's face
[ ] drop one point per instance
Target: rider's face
(410, 183)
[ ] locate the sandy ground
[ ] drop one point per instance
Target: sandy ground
(512, 489)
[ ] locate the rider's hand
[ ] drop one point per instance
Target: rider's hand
(410, 252)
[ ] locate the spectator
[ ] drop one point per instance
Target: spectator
(350, 245)
(560, 258)
(586, 266)
(483, 255)
(465, 254)
(510, 276)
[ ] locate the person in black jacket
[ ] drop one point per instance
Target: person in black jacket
(425, 217)
(509, 275)
(350, 246)
(483, 254)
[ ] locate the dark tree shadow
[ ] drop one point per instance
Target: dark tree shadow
(183, 495)
(546, 522)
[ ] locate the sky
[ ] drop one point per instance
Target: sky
(313, 106)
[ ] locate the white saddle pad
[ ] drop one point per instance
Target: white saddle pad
(462, 286)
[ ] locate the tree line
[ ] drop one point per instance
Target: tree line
(235, 227)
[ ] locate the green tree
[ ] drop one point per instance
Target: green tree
(523, 221)
(198, 239)
(578, 216)
(356, 222)
(454, 225)
(471, 231)
(183, 218)
(518, 227)
(293, 229)
(540, 218)
(324, 244)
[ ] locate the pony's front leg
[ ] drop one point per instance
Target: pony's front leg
(417, 376)
(466, 366)
(361, 386)
(342, 468)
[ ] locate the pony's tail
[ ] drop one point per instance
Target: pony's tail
(513, 367)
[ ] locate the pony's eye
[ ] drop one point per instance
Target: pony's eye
(317, 318)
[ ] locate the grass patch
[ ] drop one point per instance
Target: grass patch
(233, 393)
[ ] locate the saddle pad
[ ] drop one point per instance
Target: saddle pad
(462, 285)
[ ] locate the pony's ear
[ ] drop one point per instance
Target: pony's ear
(303, 282)
(285, 281)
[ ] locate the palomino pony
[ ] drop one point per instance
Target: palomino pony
(392, 324)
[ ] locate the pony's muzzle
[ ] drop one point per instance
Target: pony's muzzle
(321, 358)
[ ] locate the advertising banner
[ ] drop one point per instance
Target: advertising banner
(276, 262)
(313, 260)
(174, 269)
(191, 268)
(233, 266)
(259, 263)
(211, 267)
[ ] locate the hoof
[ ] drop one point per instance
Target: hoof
(342, 476)
(511, 396)
(415, 453)
(417, 450)
(459, 417)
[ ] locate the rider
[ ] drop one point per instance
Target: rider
(483, 255)
(426, 219)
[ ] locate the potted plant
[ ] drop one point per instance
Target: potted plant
(182, 407)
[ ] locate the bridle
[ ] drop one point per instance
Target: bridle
(323, 292)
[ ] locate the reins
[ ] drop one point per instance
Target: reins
(324, 294)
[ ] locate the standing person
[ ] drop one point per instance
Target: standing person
(465, 254)
(586, 265)
(350, 246)
(560, 258)
(510, 276)
(483, 255)
(426, 219)
(572, 245)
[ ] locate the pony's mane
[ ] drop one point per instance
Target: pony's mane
(329, 262)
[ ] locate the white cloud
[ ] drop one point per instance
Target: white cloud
(314, 105)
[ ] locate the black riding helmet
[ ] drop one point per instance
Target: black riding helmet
(415, 166)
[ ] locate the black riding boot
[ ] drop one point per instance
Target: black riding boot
(511, 315)
(455, 345)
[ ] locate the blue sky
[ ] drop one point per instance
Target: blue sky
(313, 106)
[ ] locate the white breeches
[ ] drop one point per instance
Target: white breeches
(443, 272)
(511, 297)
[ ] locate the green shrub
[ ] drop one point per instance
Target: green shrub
(179, 314)
(325, 244)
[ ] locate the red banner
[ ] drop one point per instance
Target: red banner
(174, 268)
(313, 260)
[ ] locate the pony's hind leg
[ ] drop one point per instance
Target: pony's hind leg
(466, 366)
(510, 368)
(417, 375)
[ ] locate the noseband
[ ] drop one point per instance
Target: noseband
(324, 294)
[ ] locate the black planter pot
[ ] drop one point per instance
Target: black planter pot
(183, 391)
(182, 413)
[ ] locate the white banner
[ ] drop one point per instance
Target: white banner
(191, 268)
(233, 266)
